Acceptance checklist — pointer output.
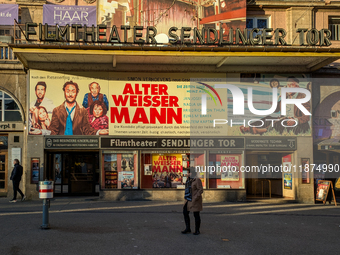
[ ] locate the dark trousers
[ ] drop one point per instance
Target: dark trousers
(16, 189)
(187, 218)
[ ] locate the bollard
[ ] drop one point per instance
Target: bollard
(46, 192)
(46, 205)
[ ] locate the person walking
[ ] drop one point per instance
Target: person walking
(16, 178)
(193, 201)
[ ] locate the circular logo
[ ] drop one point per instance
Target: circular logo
(49, 142)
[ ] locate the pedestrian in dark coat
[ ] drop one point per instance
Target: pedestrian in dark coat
(16, 178)
(193, 201)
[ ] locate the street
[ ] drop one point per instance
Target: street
(93, 226)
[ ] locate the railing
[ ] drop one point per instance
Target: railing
(6, 53)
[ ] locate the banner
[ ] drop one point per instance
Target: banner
(168, 105)
(66, 14)
(8, 12)
(164, 14)
(136, 105)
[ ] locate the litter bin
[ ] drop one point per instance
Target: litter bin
(46, 192)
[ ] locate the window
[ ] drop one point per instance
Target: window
(4, 32)
(334, 26)
(120, 170)
(169, 170)
(227, 174)
(9, 109)
(257, 22)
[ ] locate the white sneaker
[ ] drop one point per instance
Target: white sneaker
(23, 198)
(13, 201)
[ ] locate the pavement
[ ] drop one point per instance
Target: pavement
(88, 225)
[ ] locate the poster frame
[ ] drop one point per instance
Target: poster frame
(35, 160)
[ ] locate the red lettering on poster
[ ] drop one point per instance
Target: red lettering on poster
(124, 113)
(153, 105)
(120, 100)
(140, 116)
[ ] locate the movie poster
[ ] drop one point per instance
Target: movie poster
(262, 98)
(288, 181)
(110, 162)
(57, 168)
(68, 104)
(167, 170)
(147, 169)
(126, 179)
(322, 190)
(232, 166)
(35, 162)
(127, 163)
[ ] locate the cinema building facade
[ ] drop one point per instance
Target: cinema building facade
(151, 125)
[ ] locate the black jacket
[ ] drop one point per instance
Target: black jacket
(16, 173)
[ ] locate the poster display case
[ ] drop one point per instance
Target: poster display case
(169, 170)
(227, 174)
(119, 170)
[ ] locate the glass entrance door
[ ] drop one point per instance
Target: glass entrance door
(81, 173)
(3, 172)
(74, 173)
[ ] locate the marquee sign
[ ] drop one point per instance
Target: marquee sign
(204, 36)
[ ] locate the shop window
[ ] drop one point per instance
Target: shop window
(169, 170)
(119, 170)
(227, 173)
(9, 109)
(334, 26)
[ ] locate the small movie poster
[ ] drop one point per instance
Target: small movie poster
(322, 190)
(110, 162)
(147, 169)
(126, 179)
(231, 166)
(127, 163)
(288, 181)
(35, 170)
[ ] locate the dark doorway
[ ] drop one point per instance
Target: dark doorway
(268, 184)
(74, 173)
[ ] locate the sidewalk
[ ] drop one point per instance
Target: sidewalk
(92, 226)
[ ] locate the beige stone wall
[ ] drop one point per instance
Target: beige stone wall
(298, 17)
(13, 81)
(304, 192)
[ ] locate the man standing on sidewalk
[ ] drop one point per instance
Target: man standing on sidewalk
(16, 178)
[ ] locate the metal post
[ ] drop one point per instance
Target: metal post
(46, 192)
(46, 205)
